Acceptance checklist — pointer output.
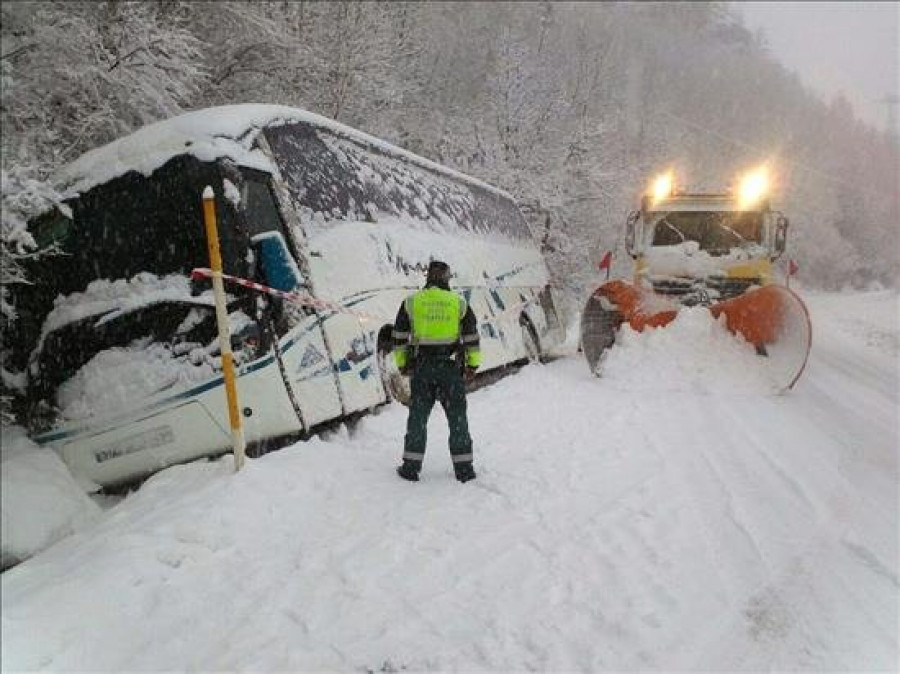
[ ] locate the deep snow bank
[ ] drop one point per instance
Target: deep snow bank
(41, 502)
(693, 353)
(615, 525)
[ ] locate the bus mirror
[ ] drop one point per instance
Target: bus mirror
(781, 225)
(631, 232)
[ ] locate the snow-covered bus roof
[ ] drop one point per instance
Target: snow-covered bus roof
(226, 131)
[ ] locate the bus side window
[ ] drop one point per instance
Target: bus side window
(276, 266)
(277, 269)
(267, 234)
(260, 208)
(263, 218)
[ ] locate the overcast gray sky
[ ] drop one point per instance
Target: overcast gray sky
(849, 47)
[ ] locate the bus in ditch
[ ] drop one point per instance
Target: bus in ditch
(118, 339)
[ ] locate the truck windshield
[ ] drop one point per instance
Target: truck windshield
(717, 232)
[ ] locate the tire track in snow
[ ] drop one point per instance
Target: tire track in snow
(795, 525)
(609, 529)
(713, 581)
(559, 498)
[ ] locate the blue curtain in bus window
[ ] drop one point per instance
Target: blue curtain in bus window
(278, 266)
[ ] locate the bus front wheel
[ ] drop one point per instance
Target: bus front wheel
(530, 341)
(396, 385)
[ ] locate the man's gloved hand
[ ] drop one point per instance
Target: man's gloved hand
(469, 373)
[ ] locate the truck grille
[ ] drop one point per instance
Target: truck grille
(728, 287)
(702, 291)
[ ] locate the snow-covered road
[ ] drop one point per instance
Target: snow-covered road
(672, 515)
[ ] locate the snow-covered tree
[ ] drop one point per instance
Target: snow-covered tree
(23, 197)
(83, 73)
(570, 106)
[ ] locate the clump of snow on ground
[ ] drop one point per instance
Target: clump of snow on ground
(41, 502)
(655, 303)
(872, 323)
(695, 352)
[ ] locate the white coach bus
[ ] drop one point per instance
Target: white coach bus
(120, 344)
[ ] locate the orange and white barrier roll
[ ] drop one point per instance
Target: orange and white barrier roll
(324, 305)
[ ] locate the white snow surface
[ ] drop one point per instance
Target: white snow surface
(226, 131)
(695, 351)
(672, 515)
(41, 502)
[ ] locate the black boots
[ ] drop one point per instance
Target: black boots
(464, 471)
(408, 471)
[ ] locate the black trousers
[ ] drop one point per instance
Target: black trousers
(437, 380)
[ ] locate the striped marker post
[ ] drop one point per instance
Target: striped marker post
(215, 261)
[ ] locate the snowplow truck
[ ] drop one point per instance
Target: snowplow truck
(710, 250)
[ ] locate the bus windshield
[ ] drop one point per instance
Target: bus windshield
(128, 226)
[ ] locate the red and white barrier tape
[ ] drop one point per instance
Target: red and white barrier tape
(297, 298)
(310, 301)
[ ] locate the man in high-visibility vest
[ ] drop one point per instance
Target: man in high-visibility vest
(436, 341)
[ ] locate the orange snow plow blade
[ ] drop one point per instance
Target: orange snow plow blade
(773, 319)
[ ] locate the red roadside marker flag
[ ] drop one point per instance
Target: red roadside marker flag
(606, 262)
(792, 269)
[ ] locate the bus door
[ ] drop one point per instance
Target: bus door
(296, 330)
(353, 340)
(492, 324)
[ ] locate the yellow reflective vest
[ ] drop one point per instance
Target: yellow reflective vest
(434, 318)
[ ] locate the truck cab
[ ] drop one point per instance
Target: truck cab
(701, 248)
